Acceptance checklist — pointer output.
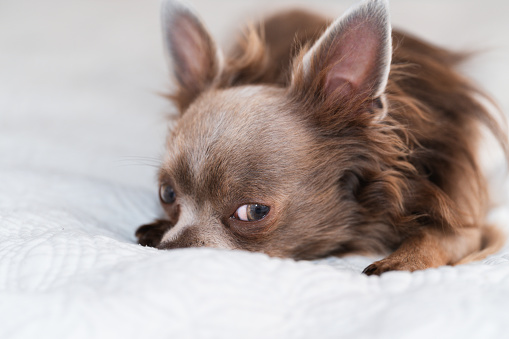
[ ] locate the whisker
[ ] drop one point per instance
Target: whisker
(131, 160)
(137, 164)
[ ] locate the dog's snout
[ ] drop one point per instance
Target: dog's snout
(189, 237)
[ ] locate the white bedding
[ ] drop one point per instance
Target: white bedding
(79, 114)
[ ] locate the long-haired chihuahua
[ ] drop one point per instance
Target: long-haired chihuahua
(317, 138)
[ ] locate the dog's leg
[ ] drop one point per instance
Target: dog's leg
(151, 234)
(429, 248)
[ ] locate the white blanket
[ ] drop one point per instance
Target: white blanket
(79, 113)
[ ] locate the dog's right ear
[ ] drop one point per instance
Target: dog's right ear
(194, 58)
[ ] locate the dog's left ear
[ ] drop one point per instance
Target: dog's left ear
(349, 64)
(194, 57)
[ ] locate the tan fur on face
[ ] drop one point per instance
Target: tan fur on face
(387, 168)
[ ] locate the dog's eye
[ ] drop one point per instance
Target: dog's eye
(167, 194)
(251, 212)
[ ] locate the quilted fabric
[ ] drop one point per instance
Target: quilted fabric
(81, 129)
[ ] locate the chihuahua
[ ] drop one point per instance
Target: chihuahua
(316, 138)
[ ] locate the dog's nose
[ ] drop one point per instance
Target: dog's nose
(189, 237)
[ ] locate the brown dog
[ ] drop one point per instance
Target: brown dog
(311, 140)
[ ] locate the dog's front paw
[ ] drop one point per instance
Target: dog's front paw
(392, 264)
(151, 234)
(378, 268)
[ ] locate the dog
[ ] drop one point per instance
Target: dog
(316, 138)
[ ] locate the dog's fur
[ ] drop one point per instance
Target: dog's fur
(357, 142)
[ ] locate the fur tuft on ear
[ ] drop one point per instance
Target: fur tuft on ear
(350, 62)
(194, 58)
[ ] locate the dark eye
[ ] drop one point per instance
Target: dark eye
(251, 212)
(167, 194)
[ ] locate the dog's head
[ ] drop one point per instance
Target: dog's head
(269, 168)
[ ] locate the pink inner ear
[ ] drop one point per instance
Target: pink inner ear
(192, 51)
(353, 61)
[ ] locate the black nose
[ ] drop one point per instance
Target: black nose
(189, 237)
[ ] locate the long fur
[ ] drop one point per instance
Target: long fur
(425, 93)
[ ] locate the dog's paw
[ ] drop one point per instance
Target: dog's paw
(151, 234)
(378, 268)
(391, 264)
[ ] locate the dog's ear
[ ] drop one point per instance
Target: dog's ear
(349, 64)
(194, 58)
